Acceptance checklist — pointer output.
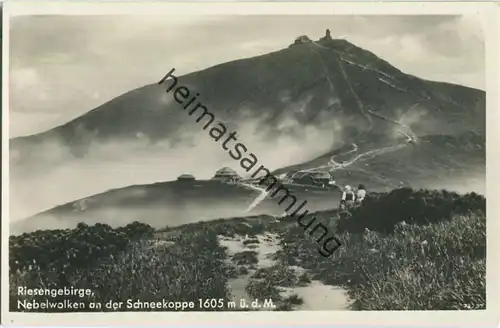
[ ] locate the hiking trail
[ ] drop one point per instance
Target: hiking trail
(332, 165)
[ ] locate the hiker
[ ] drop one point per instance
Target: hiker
(360, 194)
(348, 197)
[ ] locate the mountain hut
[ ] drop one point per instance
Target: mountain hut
(226, 175)
(186, 177)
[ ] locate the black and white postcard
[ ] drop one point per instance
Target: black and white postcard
(263, 160)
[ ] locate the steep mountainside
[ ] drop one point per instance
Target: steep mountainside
(317, 83)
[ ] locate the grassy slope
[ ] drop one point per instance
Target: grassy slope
(431, 258)
(447, 157)
(434, 267)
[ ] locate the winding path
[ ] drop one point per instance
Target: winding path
(332, 164)
(263, 194)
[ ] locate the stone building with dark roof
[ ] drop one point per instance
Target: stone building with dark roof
(302, 39)
(227, 175)
(186, 177)
(322, 179)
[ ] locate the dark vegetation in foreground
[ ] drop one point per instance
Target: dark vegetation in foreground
(403, 250)
(383, 211)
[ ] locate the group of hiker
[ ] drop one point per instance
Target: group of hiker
(351, 197)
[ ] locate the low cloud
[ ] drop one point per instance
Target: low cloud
(64, 178)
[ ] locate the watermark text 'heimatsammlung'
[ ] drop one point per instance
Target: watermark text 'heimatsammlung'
(248, 161)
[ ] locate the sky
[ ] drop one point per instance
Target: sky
(63, 66)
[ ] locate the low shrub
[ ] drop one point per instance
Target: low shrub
(119, 265)
(278, 275)
(381, 212)
(251, 241)
(245, 258)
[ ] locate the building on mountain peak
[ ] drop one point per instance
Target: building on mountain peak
(328, 36)
(301, 39)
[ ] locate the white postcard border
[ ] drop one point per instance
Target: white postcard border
(488, 11)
